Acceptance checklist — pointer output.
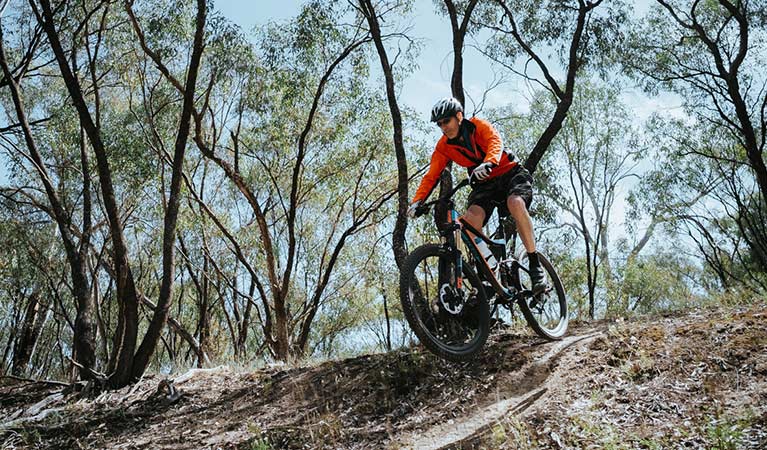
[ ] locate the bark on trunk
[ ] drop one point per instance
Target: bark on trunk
(204, 324)
(459, 37)
(456, 86)
(399, 244)
(548, 135)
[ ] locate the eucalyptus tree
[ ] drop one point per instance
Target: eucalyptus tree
(340, 179)
(701, 198)
(660, 280)
(229, 94)
(372, 13)
(460, 29)
(38, 308)
(596, 151)
(127, 362)
(574, 33)
(76, 250)
(460, 14)
(152, 336)
(127, 330)
(711, 54)
(297, 139)
(22, 294)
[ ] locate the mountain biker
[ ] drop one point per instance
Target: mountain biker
(500, 180)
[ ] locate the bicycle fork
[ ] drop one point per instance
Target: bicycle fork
(454, 231)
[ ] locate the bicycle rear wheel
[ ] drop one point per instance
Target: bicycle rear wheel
(546, 313)
(451, 321)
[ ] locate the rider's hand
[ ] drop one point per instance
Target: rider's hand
(413, 207)
(483, 171)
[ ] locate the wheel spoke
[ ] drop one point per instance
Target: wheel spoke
(547, 311)
(441, 313)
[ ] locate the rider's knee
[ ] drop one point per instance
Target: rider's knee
(475, 215)
(516, 203)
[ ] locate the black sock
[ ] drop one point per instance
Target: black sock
(532, 258)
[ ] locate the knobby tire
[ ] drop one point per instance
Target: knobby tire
(557, 301)
(408, 276)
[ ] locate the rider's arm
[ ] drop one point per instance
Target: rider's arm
(490, 140)
(436, 166)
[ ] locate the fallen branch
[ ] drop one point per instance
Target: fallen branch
(100, 376)
(35, 412)
(32, 380)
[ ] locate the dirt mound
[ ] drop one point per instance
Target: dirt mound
(698, 379)
(693, 381)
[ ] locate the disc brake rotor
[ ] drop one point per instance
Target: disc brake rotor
(451, 299)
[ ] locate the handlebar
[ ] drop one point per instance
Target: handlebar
(425, 207)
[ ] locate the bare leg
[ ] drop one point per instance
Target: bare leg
(475, 216)
(518, 211)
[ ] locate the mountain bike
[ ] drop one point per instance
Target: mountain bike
(449, 291)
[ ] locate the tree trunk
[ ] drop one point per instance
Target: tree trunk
(386, 316)
(204, 324)
(399, 244)
(456, 87)
(548, 135)
(459, 37)
(149, 343)
(125, 340)
(34, 317)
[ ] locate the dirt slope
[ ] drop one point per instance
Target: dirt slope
(697, 380)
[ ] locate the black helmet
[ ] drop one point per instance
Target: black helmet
(447, 107)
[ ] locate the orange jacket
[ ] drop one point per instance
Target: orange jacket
(486, 145)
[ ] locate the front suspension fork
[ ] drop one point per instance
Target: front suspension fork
(451, 235)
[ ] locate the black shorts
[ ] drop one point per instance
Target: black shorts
(494, 192)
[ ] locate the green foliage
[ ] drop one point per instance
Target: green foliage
(655, 282)
(710, 54)
(32, 264)
(550, 25)
(726, 434)
(261, 441)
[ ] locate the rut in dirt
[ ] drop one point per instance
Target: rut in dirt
(525, 386)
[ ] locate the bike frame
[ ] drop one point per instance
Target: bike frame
(457, 228)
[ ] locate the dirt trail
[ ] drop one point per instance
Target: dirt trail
(530, 383)
(695, 380)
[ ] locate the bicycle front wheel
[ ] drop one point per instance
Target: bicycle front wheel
(546, 313)
(451, 319)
